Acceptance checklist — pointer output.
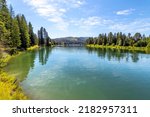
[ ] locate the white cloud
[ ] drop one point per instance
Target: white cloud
(79, 3)
(90, 21)
(137, 25)
(113, 25)
(73, 3)
(54, 10)
(125, 12)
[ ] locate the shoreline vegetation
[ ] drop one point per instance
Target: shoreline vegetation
(129, 48)
(10, 88)
(119, 40)
(17, 36)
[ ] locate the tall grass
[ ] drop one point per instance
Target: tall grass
(9, 88)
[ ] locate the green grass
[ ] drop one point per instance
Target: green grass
(130, 48)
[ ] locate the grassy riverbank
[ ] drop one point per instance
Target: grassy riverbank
(130, 48)
(33, 47)
(10, 88)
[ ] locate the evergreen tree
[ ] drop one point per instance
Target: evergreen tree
(14, 31)
(110, 38)
(41, 36)
(36, 39)
(24, 31)
(5, 18)
(15, 34)
(120, 39)
(14, 39)
(3, 32)
(44, 39)
(32, 35)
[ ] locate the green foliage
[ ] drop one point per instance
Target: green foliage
(4, 22)
(33, 37)
(14, 30)
(119, 39)
(25, 39)
(15, 34)
(3, 32)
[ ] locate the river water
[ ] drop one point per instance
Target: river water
(82, 73)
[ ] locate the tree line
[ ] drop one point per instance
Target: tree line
(120, 39)
(16, 32)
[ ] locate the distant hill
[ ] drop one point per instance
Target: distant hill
(70, 39)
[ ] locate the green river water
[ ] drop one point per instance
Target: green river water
(82, 73)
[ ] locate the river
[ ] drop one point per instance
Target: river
(82, 73)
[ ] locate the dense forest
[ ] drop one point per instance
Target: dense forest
(16, 33)
(120, 39)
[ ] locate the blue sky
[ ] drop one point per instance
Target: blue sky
(64, 18)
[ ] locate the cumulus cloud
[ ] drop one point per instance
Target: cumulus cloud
(137, 25)
(54, 10)
(125, 12)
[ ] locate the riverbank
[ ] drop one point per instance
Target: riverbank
(130, 48)
(9, 85)
(33, 47)
(10, 88)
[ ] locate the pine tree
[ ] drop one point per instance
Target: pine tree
(5, 18)
(14, 39)
(36, 39)
(32, 35)
(15, 34)
(44, 39)
(24, 31)
(3, 32)
(47, 38)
